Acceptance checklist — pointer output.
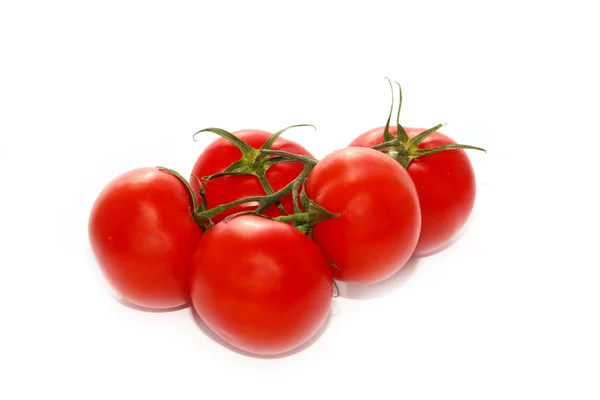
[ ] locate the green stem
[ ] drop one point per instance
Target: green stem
(387, 135)
(274, 136)
(295, 196)
(337, 289)
(200, 220)
(295, 218)
(244, 147)
(263, 201)
(263, 205)
(202, 192)
(291, 156)
(426, 152)
(226, 173)
(402, 136)
(391, 143)
(185, 182)
(417, 140)
(269, 190)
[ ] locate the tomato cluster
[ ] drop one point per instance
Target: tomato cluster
(257, 236)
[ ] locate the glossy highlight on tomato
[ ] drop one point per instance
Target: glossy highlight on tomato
(144, 237)
(379, 218)
(261, 285)
(445, 183)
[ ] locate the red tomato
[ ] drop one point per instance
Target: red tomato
(261, 285)
(143, 236)
(445, 182)
(379, 221)
(221, 153)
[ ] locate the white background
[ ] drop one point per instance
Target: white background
(89, 90)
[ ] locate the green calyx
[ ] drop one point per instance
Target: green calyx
(253, 161)
(304, 221)
(304, 218)
(404, 149)
(313, 213)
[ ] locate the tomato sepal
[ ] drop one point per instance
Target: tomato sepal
(253, 161)
(404, 149)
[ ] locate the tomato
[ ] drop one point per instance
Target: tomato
(261, 285)
(144, 237)
(221, 153)
(445, 182)
(379, 218)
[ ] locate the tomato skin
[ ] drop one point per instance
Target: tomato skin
(221, 153)
(445, 183)
(261, 285)
(143, 237)
(379, 221)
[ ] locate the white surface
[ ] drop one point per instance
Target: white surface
(510, 311)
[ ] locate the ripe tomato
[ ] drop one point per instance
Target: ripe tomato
(221, 153)
(378, 226)
(261, 285)
(144, 237)
(445, 182)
